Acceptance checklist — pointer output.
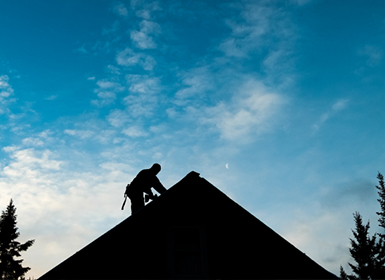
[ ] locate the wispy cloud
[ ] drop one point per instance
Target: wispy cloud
(4, 85)
(107, 84)
(249, 113)
(134, 131)
(31, 141)
(128, 58)
(145, 8)
(372, 53)
(196, 83)
(143, 97)
(248, 32)
(301, 2)
(115, 27)
(336, 107)
(143, 38)
(120, 9)
(118, 117)
(82, 134)
(113, 70)
(6, 93)
(51, 97)
(106, 92)
(82, 49)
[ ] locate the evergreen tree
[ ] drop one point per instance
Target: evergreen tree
(10, 268)
(343, 274)
(364, 251)
(381, 200)
(381, 223)
(368, 252)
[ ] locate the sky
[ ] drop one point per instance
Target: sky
(279, 104)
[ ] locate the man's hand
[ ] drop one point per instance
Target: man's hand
(151, 196)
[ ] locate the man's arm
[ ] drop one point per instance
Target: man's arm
(157, 185)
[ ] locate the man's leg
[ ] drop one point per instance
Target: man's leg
(137, 203)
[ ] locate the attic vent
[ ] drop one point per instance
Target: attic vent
(188, 253)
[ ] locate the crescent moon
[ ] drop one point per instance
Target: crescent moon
(227, 166)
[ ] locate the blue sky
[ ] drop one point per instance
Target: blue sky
(276, 103)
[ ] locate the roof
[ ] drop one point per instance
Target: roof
(233, 244)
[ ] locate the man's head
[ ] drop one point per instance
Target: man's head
(155, 168)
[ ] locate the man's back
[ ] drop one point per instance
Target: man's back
(143, 182)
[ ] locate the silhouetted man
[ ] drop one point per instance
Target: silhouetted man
(142, 183)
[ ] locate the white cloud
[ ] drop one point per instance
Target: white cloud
(118, 118)
(106, 92)
(113, 69)
(144, 8)
(337, 106)
(5, 94)
(249, 113)
(134, 131)
(45, 134)
(198, 81)
(82, 49)
(6, 99)
(148, 63)
(145, 14)
(105, 136)
(128, 58)
(114, 28)
(230, 48)
(372, 53)
(4, 82)
(107, 95)
(29, 158)
(6, 91)
(140, 105)
(172, 113)
(248, 32)
(82, 134)
(149, 27)
(51, 97)
(31, 141)
(121, 9)
(56, 206)
(107, 84)
(142, 40)
(273, 59)
(102, 102)
(143, 98)
(143, 84)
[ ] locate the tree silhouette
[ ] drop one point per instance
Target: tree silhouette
(363, 250)
(10, 268)
(368, 252)
(381, 200)
(343, 274)
(381, 222)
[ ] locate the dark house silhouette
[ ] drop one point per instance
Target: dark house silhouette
(192, 231)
